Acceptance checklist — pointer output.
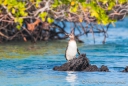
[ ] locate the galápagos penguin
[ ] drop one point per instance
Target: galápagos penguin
(71, 49)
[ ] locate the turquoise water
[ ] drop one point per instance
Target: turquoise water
(36, 70)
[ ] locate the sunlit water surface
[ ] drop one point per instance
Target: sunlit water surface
(31, 65)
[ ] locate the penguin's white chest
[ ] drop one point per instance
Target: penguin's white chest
(71, 50)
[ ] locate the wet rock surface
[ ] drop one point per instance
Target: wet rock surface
(91, 68)
(126, 69)
(104, 69)
(80, 64)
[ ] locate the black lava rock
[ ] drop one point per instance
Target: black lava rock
(104, 69)
(126, 69)
(77, 64)
(80, 64)
(91, 68)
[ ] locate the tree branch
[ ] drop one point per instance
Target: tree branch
(46, 7)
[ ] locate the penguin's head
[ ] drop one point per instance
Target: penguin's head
(71, 36)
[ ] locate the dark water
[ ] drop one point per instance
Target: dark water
(36, 70)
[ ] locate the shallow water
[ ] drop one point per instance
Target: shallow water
(31, 65)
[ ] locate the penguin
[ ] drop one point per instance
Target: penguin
(71, 50)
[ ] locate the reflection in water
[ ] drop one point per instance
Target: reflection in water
(71, 78)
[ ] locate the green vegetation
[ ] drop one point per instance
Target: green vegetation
(20, 19)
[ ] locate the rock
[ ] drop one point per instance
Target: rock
(104, 69)
(126, 69)
(91, 68)
(80, 64)
(77, 64)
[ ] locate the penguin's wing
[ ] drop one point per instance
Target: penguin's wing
(65, 52)
(78, 51)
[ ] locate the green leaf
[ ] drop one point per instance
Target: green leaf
(18, 27)
(122, 1)
(21, 5)
(20, 20)
(55, 4)
(5, 2)
(104, 1)
(94, 14)
(43, 19)
(104, 22)
(37, 3)
(9, 7)
(0, 2)
(81, 1)
(22, 12)
(74, 9)
(111, 5)
(25, 14)
(85, 5)
(16, 20)
(50, 20)
(13, 10)
(43, 16)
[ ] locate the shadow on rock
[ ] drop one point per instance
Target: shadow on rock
(80, 64)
